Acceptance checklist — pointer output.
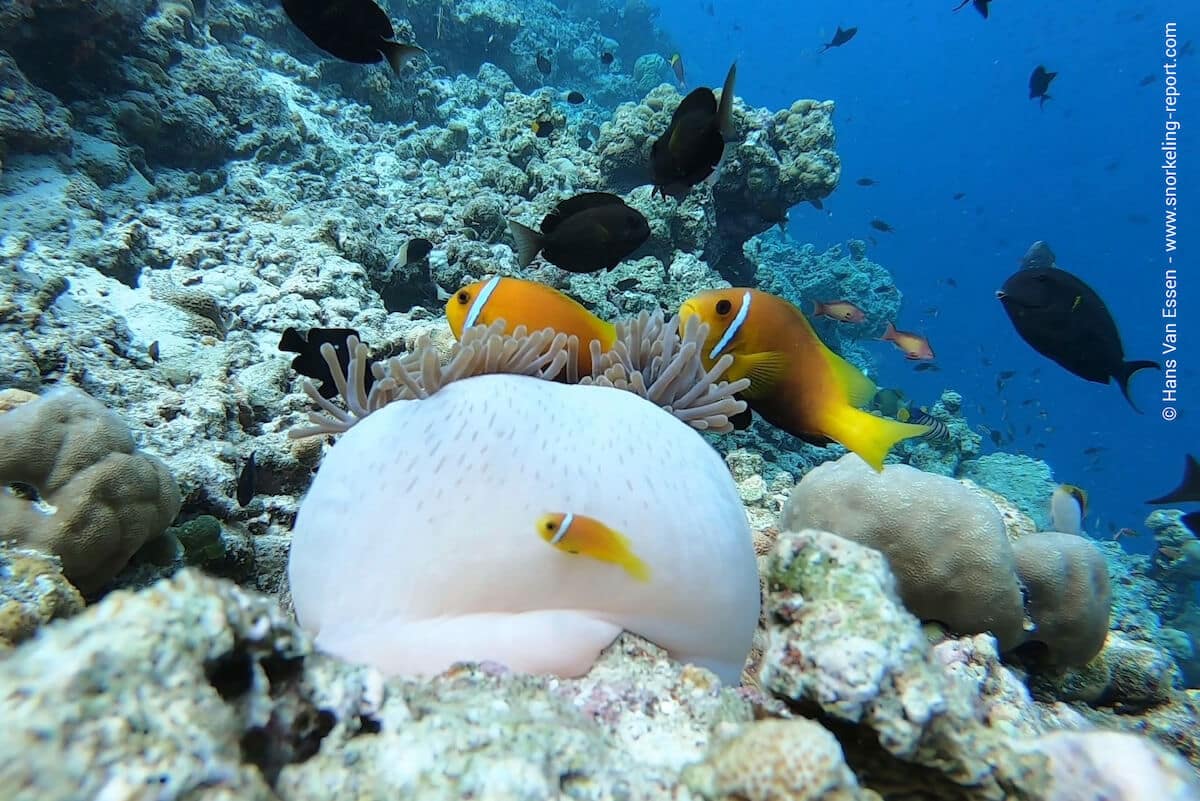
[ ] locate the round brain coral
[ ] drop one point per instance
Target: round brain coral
(1066, 581)
(416, 546)
(945, 543)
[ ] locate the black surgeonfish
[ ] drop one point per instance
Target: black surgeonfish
(358, 31)
(583, 234)
(1039, 82)
(310, 362)
(839, 39)
(1064, 319)
(692, 146)
(1189, 487)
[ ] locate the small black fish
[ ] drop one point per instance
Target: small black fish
(959, 195)
(627, 283)
(357, 31)
(880, 225)
(311, 363)
(152, 351)
(542, 128)
(880, 290)
(996, 437)
(543, 64)
(606, 58)
(839, 38)
(691, 147)
(980, 5)
(575, 98)
(1038, 255)
(817, 204)
(1006, 374)
(927, 367)
(246, 481)
(584, 143)
(950, 282)
(589, 232)
(1064, 319)
(415, 250)
(866, 182)
(1039, 82)
(1147, 80)
(1094, 449)
(1189, 487)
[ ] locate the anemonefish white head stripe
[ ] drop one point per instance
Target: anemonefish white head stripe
(563, 528)
(477, 307)
(734, 327)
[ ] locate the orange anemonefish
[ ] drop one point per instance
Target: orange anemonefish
(796, 383)
(589, 537)
(914, 346)
(533, 305)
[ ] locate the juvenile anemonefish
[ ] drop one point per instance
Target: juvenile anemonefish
(533, 305)
(796, 383)
(841, 310)
(914, 346)
(589, 537)
(1068, 507)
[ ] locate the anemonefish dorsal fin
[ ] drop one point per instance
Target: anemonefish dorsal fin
(485, 294)
(739, 320)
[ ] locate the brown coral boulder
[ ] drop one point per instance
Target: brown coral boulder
(77, 488)
(1066, 583)
(945, 543)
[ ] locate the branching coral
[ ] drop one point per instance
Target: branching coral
(649, 358)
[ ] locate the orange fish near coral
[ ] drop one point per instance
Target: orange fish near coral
(796, 383)
(533, 305)
(589, 537)
(914, 346)
(841, 310)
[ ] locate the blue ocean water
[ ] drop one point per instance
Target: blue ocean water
(932, 103)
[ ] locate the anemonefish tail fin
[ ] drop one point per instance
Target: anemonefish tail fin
(529, 242)
(725, 108)
(1126, 371)
(400, 54)
(869, 436)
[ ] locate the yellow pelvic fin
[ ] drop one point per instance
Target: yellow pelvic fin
(869, 436)
(860, 390)
(763, 369)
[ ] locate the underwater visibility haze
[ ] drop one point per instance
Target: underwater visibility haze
(493, 399)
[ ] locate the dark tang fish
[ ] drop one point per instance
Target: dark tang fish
(839, 38)
(980, 5)
(311, 363)
(589, 232)
(692, 146)
(1064, 319)
(1039, 82)
(1189, 487)
(353, 30)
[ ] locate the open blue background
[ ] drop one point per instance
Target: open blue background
(930, 103)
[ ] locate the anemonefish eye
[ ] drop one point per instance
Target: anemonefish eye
(464, 297)
(724, 307)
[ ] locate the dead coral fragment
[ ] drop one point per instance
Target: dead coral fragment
(649, 358)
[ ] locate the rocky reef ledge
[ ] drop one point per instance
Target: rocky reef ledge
(198, 689)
